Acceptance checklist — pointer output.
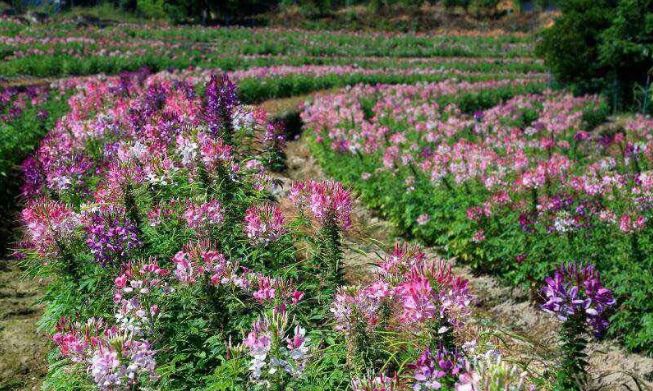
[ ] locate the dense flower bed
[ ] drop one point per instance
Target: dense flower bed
(514, 187)
(172, 266)
(27, 112)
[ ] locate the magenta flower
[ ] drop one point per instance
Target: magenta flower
(215, 153)
(455, 299)
(296, 297)
(71, 344)
(185, 270)
(264, 224)
(265, 290)
(49, 224)
(479, 236)
(628, 225)
(414, 289)
(202, 216)
(416, 297)
(328, 202)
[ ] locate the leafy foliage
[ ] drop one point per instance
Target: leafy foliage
(602, 46)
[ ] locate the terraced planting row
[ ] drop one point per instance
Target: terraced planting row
(58, 49)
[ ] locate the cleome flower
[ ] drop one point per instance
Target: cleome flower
(273, 347)
(113, 357)
(327, 202)
(576, 290)
(264, 223)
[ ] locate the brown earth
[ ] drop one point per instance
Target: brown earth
(23, 349)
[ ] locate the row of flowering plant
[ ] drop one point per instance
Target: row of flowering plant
(165, 250)
(511, 182)
(74, 49)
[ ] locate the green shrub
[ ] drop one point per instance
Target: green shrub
(601, 45)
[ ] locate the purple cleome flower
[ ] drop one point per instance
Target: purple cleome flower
(111, 238)
(430, 368)
(576, 290)
(220, 99)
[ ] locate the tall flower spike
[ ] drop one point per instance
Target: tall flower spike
(576, 296)
(220, 99)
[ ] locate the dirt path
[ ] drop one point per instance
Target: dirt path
(23, 349)
(521, 330)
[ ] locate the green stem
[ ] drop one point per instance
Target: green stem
(330, 253)
(572, 375)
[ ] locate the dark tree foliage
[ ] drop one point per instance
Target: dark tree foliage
(602, 46)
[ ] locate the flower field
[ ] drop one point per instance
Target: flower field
(183, 242)
(265, 63)
(168, 234)
(513, 186)
(64, 49)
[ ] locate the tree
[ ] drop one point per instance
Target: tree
(601, 45)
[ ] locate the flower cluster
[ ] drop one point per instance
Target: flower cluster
(197, 260)
(264, 223)
(114, 358)
(276, 347)
(48, 225)
(378, 383)
(576, 290)
(199, 263)
(328, 202)
(110, 236)
(413, 296)
(537, 184)
(425, 289)
(133, 291)
(137, 161)
(201, 216)
(489, 371)
(430, 369)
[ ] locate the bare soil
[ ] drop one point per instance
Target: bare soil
(23, 349)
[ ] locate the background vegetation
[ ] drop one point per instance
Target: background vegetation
(603, 46)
